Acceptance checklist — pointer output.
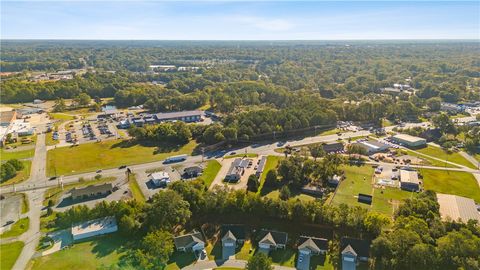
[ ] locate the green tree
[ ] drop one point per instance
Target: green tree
(18, 165)
(271, 179)
(316, 151)
(166, 210)
(59, 105)
(434, 104)
(259, 261)
(7, 171)
(285, 193)
(159, 245)
(253, 183)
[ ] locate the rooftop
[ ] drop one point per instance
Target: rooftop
(94, 225)
(359, 246)
(170, 115)
(408, 138)
(188, 239)
(409, 176)
(92, 189)
(7, 117)
(160, 175)
(457, 207)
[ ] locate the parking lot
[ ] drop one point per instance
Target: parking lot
(242, 182)
(148, 187)
(10, 209)
(79, 132)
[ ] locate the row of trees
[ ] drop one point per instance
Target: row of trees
(420, 240)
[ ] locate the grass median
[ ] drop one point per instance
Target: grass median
(108, 154)
(18, 228)
(9, 254)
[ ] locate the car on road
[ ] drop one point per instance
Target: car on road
(232, 153)
(52, 178)
(9, 222)
(98, 171)
(122, 167)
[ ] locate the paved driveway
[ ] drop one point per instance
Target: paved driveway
(303, 261)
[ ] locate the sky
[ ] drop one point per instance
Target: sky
(247, 20)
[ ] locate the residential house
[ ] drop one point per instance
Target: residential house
(160, 178)
(190, 242)
(192, 171)
(271, 240)
(309, 246)
(354, 251)
(233, 235)
(236, 170)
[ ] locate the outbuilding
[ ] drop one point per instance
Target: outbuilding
(409, 180)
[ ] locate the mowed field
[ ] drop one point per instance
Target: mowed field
(12, 154)
(454, 157)
(108, 154)
(451, 182)
(9, 254)
(209, 173)
(94, 254)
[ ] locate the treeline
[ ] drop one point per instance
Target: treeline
(420, 240)
(10, 169)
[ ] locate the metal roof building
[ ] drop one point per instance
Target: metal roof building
(457, 207)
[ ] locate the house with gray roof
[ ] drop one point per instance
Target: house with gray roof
(354, 251)
(271, 240)
(92, 191)
(233, 236)
(190, 242)
(236, 170)
(310, 246)
(185, 116)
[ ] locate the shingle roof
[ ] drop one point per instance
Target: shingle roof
(360, 246)
(349, 250)
(188, 240)
(312, 243)
(237, 230)
(276, 238)
(92, 189)
(229, 236)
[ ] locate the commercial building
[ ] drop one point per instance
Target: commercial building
(236, 170)
(456, 207)
(160, 178)
(333, 147)
(185, 116)
(354, 251)
(261, 166)
(7, 118)
(190, 242)
(409, 180)
(92, 191)
(94, 227)
(192, 171)
(409, 141)
(373, 147)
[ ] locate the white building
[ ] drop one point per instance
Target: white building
(408, 140)
(160, 178)
(94, 227)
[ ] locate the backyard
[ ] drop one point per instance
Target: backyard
(451, 182)
(94, 254)
(9, 254)
(107, 154)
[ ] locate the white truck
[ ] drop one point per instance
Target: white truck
(173, 159)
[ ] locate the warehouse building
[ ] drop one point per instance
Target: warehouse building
(373, 146)
(456, 207)
(409, 180)
(409, 141)
(185, 116)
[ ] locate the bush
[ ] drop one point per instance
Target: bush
(253, 183)
(18, 165)
(285, 193)
(98, 176)
(7, 171)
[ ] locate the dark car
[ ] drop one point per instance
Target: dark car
(122, 167)
(99, 171)
(52, 178)
(9, 222)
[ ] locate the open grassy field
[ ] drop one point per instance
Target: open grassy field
(21, 175)
(431, 161)
(107, 154)
(358, 180)
(61, 116)
(101, 251)
(272, 162)
(209, 173)
(55, 193)
(135, 189)
(18, 228)
(450, 182)
(12, 154)
(441, 154)
(275, 194)
(387, 200)
(9, 254)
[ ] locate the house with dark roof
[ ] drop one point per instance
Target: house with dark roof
(233, 235)
(185, 116)
(353, 251)
(92, 191)
(271, 240)
(261, 166)
(190, 242)
(236, 170)
(309, 246)
(192, 171)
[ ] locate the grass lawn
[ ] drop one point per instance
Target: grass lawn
(45, 220)
(135, 189)
(302, 197)
(49, 139)
(321, 262)
(101, 251)
(33, 139)
(55, 193)
(61, 116)
(477, 157)
(284, 257)
(209, 173)
(25, 206)
(431, 161)
(21, 175)
(18, 228)
(12, 154)
(179, 260)
(450, 182)
(452, 157)
(107, 154)
(244, 253)
(387, 200)
(353, 184)
(9, 254)
(242, 155)
(272, 162)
